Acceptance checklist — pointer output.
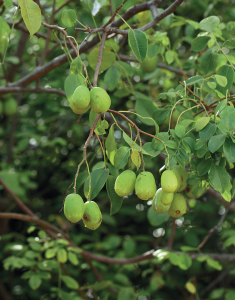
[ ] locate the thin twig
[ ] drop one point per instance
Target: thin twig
(99, 59)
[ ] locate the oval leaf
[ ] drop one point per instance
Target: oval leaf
(98, 179)
(209, 24)
(139, 44)
(116, 201)
(31, 15)
(68, 17)
(34, 282)
(121, 157)
(108, 58)
(70, 282)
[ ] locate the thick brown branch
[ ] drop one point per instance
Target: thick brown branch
(18, 89)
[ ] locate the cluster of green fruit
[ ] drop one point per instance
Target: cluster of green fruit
(75, 210)
(168, 198)
(8, 107)
(82, 99)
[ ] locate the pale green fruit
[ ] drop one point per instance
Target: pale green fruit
(125, 183)
(169, 181)
(145, 186)
(183, 175)
(92, 216)
(1, 108)
(100, 100)
(166, 198)
(194, 191)
(74, 208)
(81, 97)
(192, 202)
(149, 64)
(78, 110)
(177, 174)
(178, 206)
(157, 203)
(10, 107)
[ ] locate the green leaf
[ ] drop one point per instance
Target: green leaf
(44, 275)
(7, 3)
(62, 256)
(76, 66)
(136, 158)
(229, 150)
(70, 282)
(209, 62)
(201, 123)
(68, 17)
(98, 179)
(220, 107)
(227, 117)
(121, 157)
(31, 15)
(156, 219)
(112, 77)
(229, 242)
(169, 55)
(147, 149)
(207, 132)
(116, 201)
(73, 258)
(125, 68)
(179, 130)
(204, 167)
(145, 107)
(126, 294)
(35, 246)
(190, 287)
(110, 145)
(184, 261)
(217, 293)
(108, 58)
(209, 24)
(214, 264)
(139, 44)
(199, 43)
(4, 33)
(188, 248)
(171, 144)
(221, 80)
(219, 178)
(50, 253)
(34, 282)
(228, 73)
(161, 115)
(229, 44)
(212, 85)
(216, 142)
(195, 79)
(71, 83)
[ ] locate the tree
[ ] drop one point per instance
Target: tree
(168, 68)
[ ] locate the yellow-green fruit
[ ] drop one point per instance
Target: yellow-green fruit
(192, 202)
(81, 97)
(10, 107)
(194, 191)
(157, 203)
(145, 186)
(149, 64)
(169, 181)
(1, 108)
(100, 100)
(125, 183)
(178, 206)
(74, 208)
(92, 216)
(166, 198)
(78, 110)
(183, 177)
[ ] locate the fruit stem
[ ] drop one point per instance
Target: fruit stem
(89, 174)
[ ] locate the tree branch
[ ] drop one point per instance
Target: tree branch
(20, 89)
(99, 59)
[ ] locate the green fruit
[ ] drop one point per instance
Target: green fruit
(74, 208)
(194, 191)
(149, 64)
(10, 107)
(166, 198)
(182, 177)
(157, 203)
(145, 186)
(178, 206)
(169, 181)
(1, 108)
(125, 183)
(81, 97)
(78, 110)
(192, 202)
(100, 100)
(92, 216)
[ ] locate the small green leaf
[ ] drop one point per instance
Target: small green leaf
(228, 73)
(229, 242)
(216, 142)
(229, 150)
(214, 264)
(110, 145)
(209, 62)
(201, 123)
(209, 24)
(31, 15)
(207, 132)
(98, 179)
(76, 66)
(34, 282)
(4, 33)
(204, 167)
(121, 157)
(139, 44)
(70, 282)
(212, 85)
(199, 43)
(68, 17)
(229, 44)
(112, 77)
(179, 130)
(219, 178)
(156, 219)
(7, 3)
(190, 287)
(227, 117)
(71, 83)
(62, 256)
(108, 58)
(221, 80)
(116, 201)
(136, 158)
(169, 55)
(73, 258)
(126, 294)
(50, 253)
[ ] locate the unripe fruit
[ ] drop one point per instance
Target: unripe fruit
(125, 183)
(157, 204)
(81, 97)
(78, 110)
(100, 100)
(145, 186)
(92, 216)
(183, 176)
(166, 198)
(169, 181)
(149, 64)
(74, 208)
(10, 107)
(194, 191)
(178, 206)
